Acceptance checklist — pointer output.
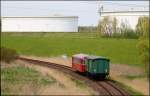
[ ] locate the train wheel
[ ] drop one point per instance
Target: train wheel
(87, 74)
(102, 77)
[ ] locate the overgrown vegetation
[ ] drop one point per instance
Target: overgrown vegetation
(7, 54)
(87, 29)
(143, 29)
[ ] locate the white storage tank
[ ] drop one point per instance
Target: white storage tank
(128, 17)
(40, 24)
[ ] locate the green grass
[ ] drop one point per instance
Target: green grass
(122, 51)
(23, 75)
(131, 77)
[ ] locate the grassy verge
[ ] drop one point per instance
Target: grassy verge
(122, 51)
(79, 83)
(82, 86)
(131, 77)
(19, 80)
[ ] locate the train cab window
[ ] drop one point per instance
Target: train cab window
(77, 61)
(82, 62)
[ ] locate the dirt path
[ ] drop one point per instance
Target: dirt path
(119, 72)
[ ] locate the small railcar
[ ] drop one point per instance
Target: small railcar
(78, 62)
(96, 66)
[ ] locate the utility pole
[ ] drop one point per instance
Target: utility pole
(101, 10)
(100, 13)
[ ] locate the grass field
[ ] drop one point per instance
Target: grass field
(122, 51)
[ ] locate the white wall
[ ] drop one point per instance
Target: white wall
(49, 24)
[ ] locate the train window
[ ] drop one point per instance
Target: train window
(82, 62)
(77, 61)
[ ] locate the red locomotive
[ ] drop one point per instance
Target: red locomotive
(78, 62)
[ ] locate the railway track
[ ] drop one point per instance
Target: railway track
(101, 87)
(115, 90)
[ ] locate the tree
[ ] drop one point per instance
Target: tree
(114, 25)
(105, 26)
(143, 26)
(143, 29)
(108, 28)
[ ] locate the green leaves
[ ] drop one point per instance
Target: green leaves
(143, 28)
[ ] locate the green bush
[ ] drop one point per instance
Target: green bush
(8, 55)
(125, 35)
(87, 29)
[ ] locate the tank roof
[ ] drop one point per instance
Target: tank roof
(40, 16)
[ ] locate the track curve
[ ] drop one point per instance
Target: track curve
(102, 87)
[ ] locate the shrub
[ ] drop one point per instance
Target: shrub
(8, 55)
(87, 29)
(144, 53)
(129, 33)
(143, 28)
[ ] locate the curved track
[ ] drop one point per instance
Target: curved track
(111, 88)
(102, 87)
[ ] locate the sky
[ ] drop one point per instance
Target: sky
(87, 11)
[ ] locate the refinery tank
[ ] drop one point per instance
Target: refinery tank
(40, 24)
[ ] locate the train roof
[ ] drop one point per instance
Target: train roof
(80, 55)
(93, 57)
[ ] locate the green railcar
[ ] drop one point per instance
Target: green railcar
(97, 66)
